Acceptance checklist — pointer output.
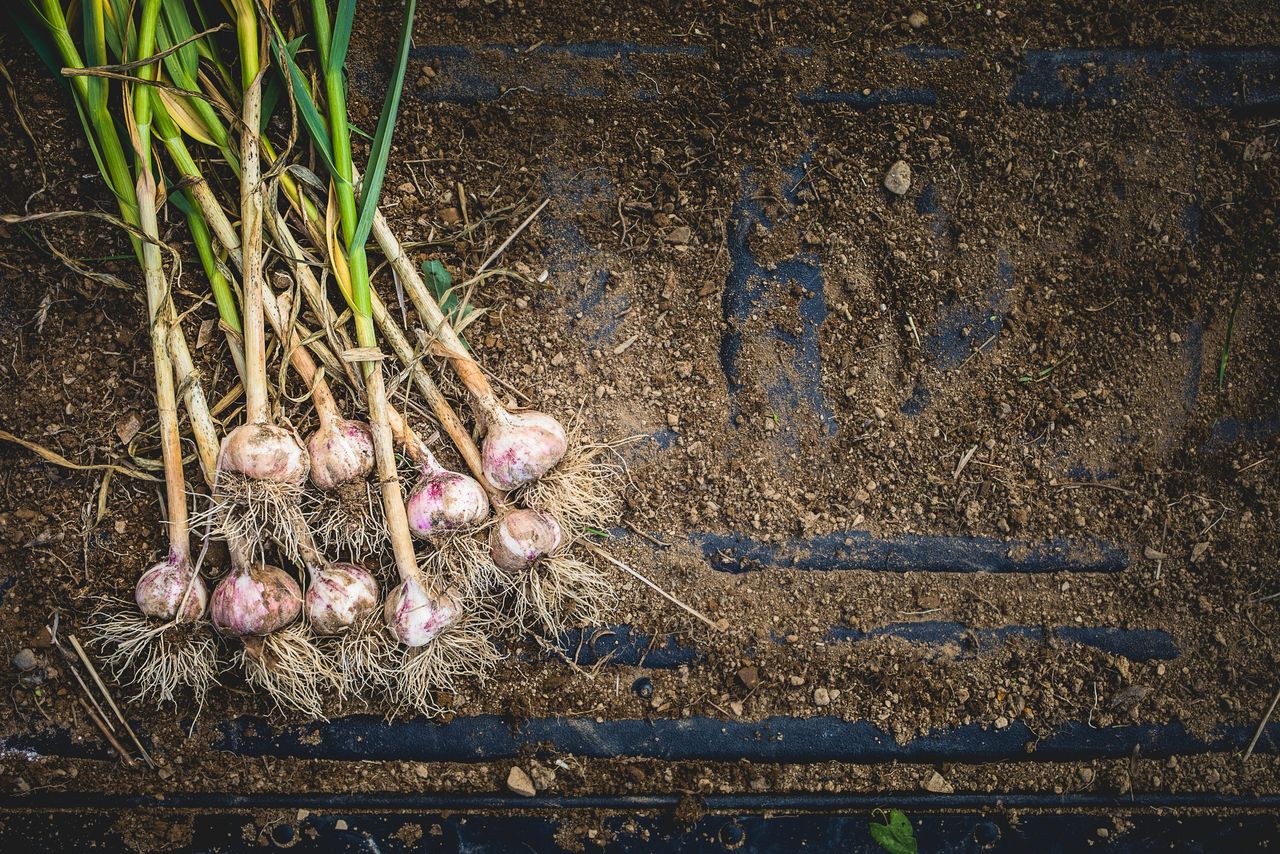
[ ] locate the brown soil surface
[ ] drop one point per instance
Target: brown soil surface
(1077, 420)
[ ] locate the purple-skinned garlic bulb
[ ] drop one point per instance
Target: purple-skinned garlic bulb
(340, 596)
(444, 500)
(161, 591)
(255, 600)
(264, 452)
(341, 451)
(416, 616)
(521, 537)
(521, 447)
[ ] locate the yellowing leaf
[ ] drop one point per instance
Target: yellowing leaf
(185, 117)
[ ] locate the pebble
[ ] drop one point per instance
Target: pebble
(1002, 722)
(795, 680)
(680, 235)
(25, 660)
(520, 783)
(749, 678)
(898, 179)
(938, 785)
(821, 697)
(917, 19)
(340, 824)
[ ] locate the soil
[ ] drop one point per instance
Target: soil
(1078, 396)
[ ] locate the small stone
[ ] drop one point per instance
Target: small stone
(25, 660)
(340, 824)
(423, 770)
(938, 785)
(917, 20)
(795, 680)
(1197, 551)
(679, 236)
(520, 783)
(749, 678)
(898, 179)
(1086, 775)
(449, 216)
(821, 697)
(1001, 722)
(736, 707)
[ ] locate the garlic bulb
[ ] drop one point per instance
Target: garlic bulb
(521, 447)
(341, 451)
(522, 537)
(255, 601)
(446, 501)
(162, 590)
(340, 596)
(416, 617)
(264, 452)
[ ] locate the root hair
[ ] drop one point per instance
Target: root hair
(290, 668)
(348, 521)
(422, 675)
(561, 592)
(584, 490)
(462, 560)
(360, 657)
(156, 659)
(249, 511)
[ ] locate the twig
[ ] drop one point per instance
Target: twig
(59, 460)
(599, 552)
(106, 733)
(1079, 484)
(80, 679)
(1262, 724)
(93, 671)
(521, 227)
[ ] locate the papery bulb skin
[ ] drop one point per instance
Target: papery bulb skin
(339, 597)
(160, 592)
(264, 452)
(522, 537)
(521, 447)
(341, 451)
(446, 501)
(416, 617)
(255, 601)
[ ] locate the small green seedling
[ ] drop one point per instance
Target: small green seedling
(895, 834)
